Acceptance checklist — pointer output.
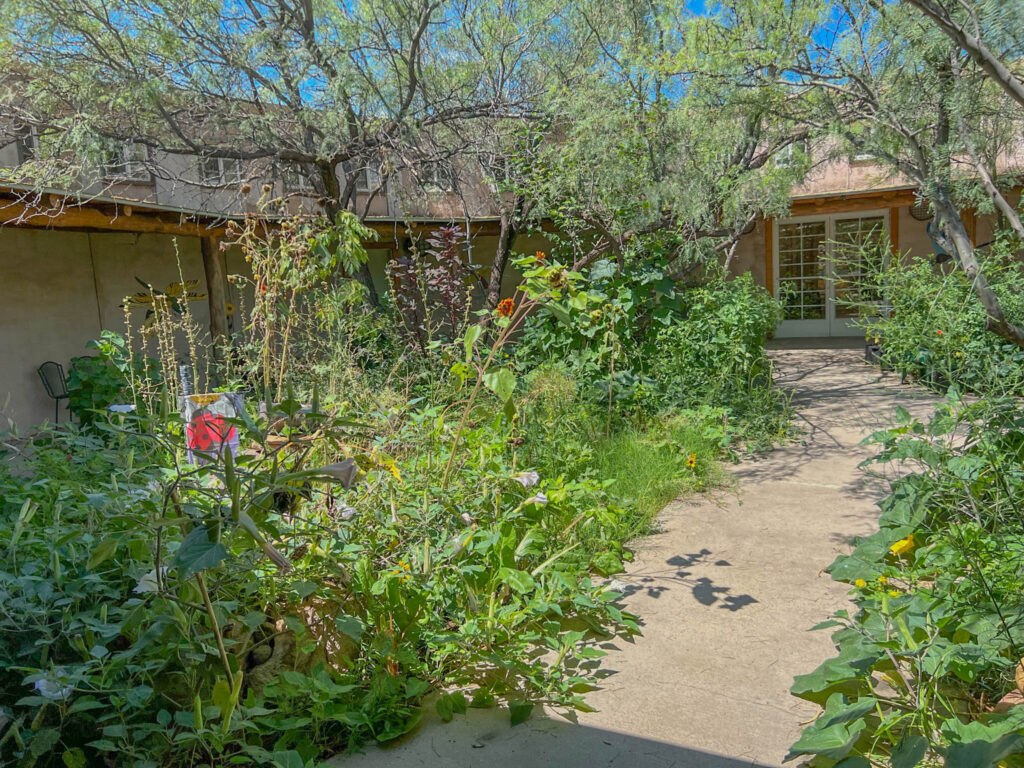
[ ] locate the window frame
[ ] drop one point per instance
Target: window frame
(119, 165)
(223, 177)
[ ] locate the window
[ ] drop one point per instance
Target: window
(220, 171)
(367, 180)
(297, 179)
(27, 144)
(496, 170)
(127, 161)
(439, 176)
(791, 154)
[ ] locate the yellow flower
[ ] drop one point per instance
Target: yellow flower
(860, 583)
(903, 545)
(894, 593)
(691, 461)
(883, 580)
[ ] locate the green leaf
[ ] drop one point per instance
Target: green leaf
(221, 697)
(197, 552)
(518, 581)
(501, 382)
(102, 552)
(472, 334)
(305, 588)
(519, 711)
(74, 758)
(414, 687)
(287, 759)
(451, 704)
(909, 751)
(43, 741)
(350, 626)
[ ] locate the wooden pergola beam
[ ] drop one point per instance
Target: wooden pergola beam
(104, 218)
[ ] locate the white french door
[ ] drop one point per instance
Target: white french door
(818, 259)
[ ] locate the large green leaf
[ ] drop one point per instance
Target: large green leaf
(909, 751)
(198, 552)
(501, 382)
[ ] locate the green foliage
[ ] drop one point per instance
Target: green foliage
(934, 328)
(98, 381)
(931, 650)
(715, 356)
(641, 344)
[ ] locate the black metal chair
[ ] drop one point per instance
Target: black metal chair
(56, 385)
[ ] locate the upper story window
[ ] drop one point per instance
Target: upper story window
(127, 161)
(791, 154)
(367, 180)
(220, 171)
(297, 179)
(27, 144)
(496, 169)
(438, 175)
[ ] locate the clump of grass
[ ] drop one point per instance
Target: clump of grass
(649, 469)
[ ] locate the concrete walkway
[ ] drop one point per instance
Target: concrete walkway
(726, 591)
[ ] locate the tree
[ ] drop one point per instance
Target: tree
(665, 142)
(925, 88)
(306, 87)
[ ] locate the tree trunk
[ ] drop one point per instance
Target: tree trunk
(333, 205)
(995, 321)
(506, 239)
(216, 293)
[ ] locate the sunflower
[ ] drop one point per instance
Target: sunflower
(174, 296)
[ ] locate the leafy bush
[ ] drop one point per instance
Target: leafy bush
(643, 345)
(934, 326)
(930, 663)
(98, 381)
(715, 356)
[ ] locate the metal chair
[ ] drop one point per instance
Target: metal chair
(56, 385)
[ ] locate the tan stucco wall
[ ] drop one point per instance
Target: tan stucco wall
(750, 255)
(48, 311)
(60, 289)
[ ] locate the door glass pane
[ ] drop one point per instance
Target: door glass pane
(859, 251)
(802, 270)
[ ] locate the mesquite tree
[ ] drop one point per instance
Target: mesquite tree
(934, 90)
(311, 86)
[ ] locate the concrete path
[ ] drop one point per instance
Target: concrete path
(726, 591)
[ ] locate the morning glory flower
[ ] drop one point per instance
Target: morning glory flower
(149, 582)
(56, 687)
(540, 499)
(527, 479)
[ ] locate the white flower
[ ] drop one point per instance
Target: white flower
(347, 512)
(121, 407)
(56, 687)
(540, 499)
(149, 582)
(527, 479)
(153, 486)
(466, 518)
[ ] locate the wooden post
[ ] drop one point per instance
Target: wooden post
(894, 231)
(769, 267)
(216, 292)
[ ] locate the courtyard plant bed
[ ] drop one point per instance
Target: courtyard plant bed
(445, 524)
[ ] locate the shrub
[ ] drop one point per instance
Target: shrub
(933, 327)
(714, 356)
(930, 664)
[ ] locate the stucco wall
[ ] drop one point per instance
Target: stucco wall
(48, 311)
(60, 289)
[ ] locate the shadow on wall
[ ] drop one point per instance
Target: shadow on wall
(483, 738)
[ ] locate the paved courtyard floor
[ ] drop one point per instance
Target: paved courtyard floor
(726, 590)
